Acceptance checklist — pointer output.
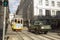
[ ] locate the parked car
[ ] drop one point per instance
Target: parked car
(39, 27)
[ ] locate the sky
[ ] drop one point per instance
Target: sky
(13, 5)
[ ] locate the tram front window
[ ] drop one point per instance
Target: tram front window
(15, 20)
(18, 21)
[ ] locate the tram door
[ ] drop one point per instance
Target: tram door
(21, 22)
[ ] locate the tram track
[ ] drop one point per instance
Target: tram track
(19, 36)
(47, 37)
(54, 36)
(43, 36)
(24, 36)
(50, 37)
(33, 36)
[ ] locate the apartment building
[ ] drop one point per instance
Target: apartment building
(47, 8)
(39, 9)
(33, 8)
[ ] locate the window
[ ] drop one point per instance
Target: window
(53, 13)
(15, 20)
(58, 13)
(48, 13)
(53, 3)
(40, 2)
(58, 4)
(40, 12)
(47, 2)
(21, 21)
(18, 21)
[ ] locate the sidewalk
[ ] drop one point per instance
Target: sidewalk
(13, 37)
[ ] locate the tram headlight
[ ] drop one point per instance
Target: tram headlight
(12, 23)
(42, 27)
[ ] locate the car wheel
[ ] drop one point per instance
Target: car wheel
(39, 32)
(29, 30)
(45, 32)
(36, 31)
(13, 29)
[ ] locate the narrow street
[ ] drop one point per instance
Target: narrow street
(18, 18)
(25, 35)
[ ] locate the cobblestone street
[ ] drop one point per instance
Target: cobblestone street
(25, 35)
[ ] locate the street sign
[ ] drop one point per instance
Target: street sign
(5, 3)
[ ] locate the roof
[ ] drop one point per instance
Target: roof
(18, 16)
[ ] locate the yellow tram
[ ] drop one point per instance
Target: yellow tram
(17, 24)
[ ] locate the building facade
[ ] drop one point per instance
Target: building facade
(33, 8)
(42, 6)
(1, 20)
(25, 9)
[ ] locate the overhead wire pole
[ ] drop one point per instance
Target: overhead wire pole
(5, 3)
(3, 24)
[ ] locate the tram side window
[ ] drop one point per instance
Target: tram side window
(21, 21)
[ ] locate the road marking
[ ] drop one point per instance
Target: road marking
(34, 37)
(14, 38)
(43, 38)
(25, 37)
(49, 37)
(55, 36)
